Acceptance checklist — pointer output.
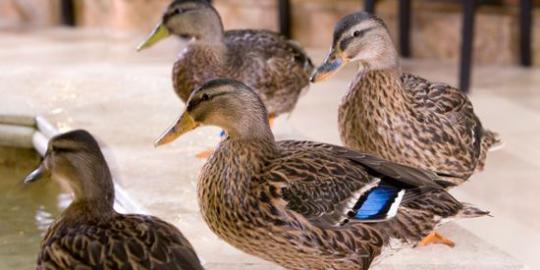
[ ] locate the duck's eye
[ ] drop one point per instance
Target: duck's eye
(358, 33)
(205, 97)
(177, 11)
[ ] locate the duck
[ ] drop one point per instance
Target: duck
(305, 204)
(89, 233)
(277, 67)
(400, 116)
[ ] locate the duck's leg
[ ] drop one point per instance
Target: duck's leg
(204, 154)
(436, 238)
(271, 118)
(208, 152)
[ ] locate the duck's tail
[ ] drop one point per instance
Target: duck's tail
(491, 141)
(470, 211)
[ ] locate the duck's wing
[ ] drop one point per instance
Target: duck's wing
(449, 102)
(126, 242)
(331, 185)
(267, 45)
(436, 96)
(278, 69)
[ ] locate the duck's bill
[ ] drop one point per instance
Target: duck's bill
(331, 65)
(37, 174)
(183, 125)
(159, 33)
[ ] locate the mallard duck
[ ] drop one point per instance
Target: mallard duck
(303, 204)
(399, 116)
(90, 234)
(278, 68)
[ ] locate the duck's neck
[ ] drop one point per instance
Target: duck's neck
(93, 193)
(249, 145)
(244, 159)
(211, 38)
(250, 128)
(210, 53)
(253, 153)
(253, 150)
(382, 86)
(211, 29)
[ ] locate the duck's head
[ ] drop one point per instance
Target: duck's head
(228, 104)
(74, 158)
(359, 37)
(187, 19)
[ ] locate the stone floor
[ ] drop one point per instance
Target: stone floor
(89, 80)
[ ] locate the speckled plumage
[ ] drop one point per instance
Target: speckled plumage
(264, 60)
(407, 119)
(284, 203)
(90, 234)
(399, 116)
(288, 201)
(115, 242)
(277, 67)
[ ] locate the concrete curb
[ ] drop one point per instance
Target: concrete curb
(35, 132)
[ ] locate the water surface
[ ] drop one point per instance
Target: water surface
(25, 210)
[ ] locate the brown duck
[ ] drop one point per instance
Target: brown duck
(278, 68)
(302, 204)
(90, 234)
(398, 116)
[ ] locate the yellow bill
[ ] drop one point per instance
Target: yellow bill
(184, 124)
(159, 33)
(331, 65)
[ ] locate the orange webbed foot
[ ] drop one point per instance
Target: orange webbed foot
(436, 238)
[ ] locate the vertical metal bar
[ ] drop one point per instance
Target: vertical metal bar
(525, 32)
(369, 6)
(467, 39)
(405, 27)
(67, 12)
(284, 13)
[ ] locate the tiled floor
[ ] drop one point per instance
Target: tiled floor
(83, 80)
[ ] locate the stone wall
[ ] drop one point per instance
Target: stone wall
(436, 25)
(19, 14)
(120, 15)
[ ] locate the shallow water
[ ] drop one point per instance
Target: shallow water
(25, 210)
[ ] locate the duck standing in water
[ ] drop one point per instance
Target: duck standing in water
(399, 116)
(302, 204)
(278, 68)
(90, 234)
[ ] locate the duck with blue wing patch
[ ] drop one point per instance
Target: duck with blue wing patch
(302, 204)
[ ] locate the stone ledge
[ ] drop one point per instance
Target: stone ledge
(470, 253)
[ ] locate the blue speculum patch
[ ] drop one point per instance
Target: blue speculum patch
(377, 203)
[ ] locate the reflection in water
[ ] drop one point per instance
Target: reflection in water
(25, 213)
